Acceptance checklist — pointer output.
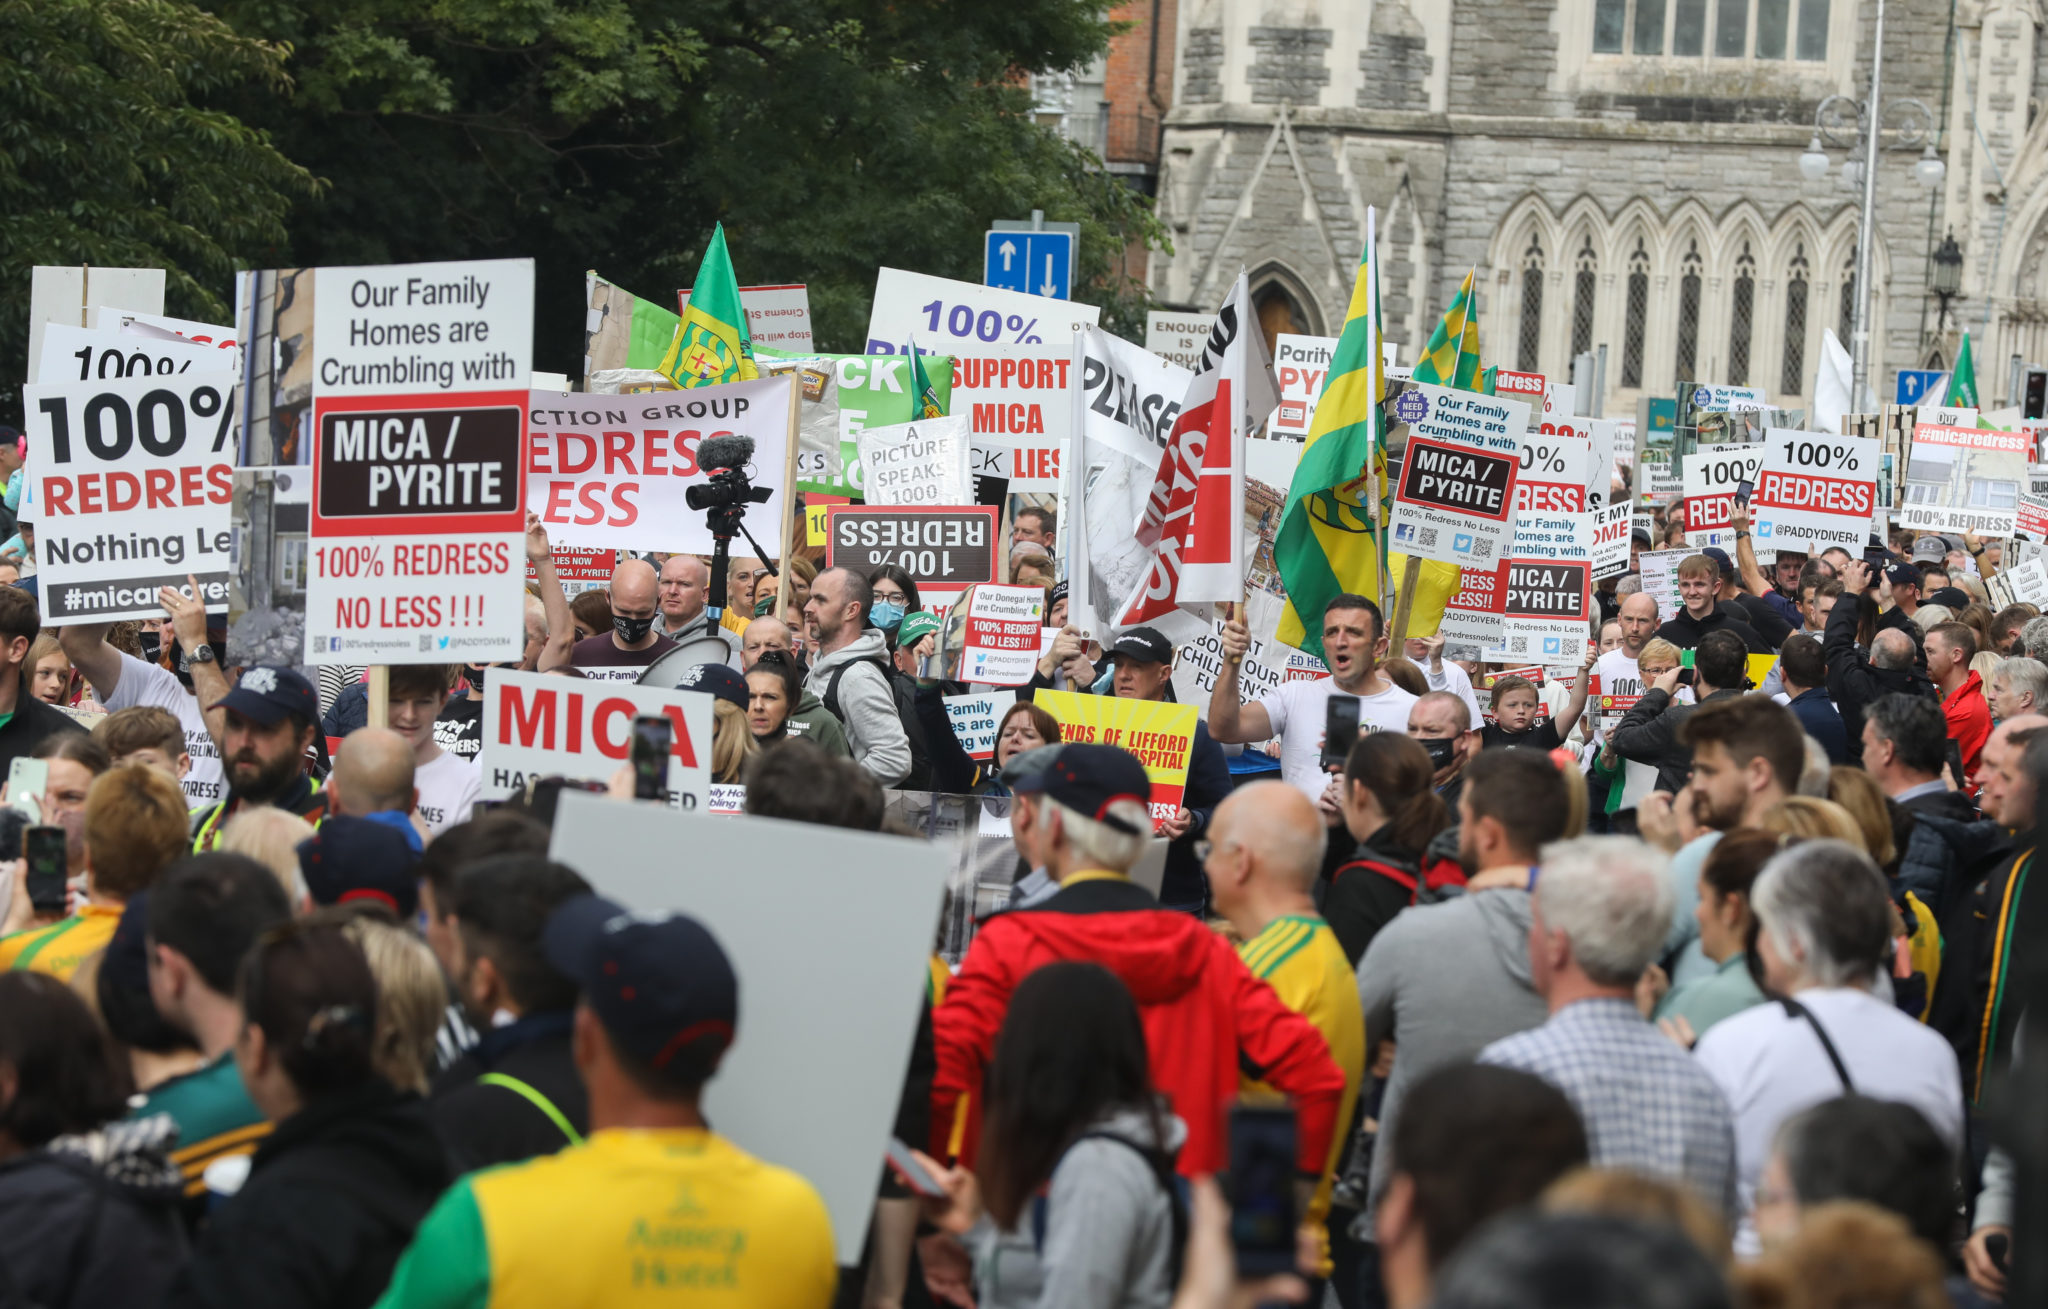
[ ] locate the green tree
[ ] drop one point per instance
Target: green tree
(114, 152)
(830, 137)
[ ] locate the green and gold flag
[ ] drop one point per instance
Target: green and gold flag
(1452, 356)
(1962, 380)
(711, 346)
(927, 403)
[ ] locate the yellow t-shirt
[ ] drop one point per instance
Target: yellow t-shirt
(670, 1218)
(1298, 956)
(61, 947)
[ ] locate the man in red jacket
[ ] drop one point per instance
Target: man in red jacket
(1950, 647)
(1206, 1017)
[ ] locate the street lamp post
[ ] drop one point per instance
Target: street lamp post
(1947, 279)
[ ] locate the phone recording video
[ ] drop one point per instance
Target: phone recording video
(653, 734)
(48, 867)
(1261, 1189)
(1743, 490)
(1340, 729)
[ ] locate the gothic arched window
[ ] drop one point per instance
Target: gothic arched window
(1587, 280)
(1635, 320)
(1530, 341)
(1687, 361)
(1741, 318)
(1792, 377)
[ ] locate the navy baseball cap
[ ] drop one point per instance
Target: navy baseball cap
(659, 982)
(361, 859)
(1090, 778)
(265, 695)
(1143, 643)
(1902, 575)
(1721, 560)
(715, 679)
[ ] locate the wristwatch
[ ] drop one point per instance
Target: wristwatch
(1741, 534)
(1978, 551)
(200, 654)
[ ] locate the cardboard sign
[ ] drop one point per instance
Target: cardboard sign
(1660, 579)
(1003, 628)
(1547, 598)
(1472, 617)
(1018, 401)
(925, 462)
(1711, 472)
(1177, 337)
(1455, 499)
(1610, 541)
(1964, 479)
(101, 354)
(975, 719)
(960, 317)
(944, 550)
(537, 725)
(1557, 460)
(418, 425)
(778, 317)
(1161, 735)
(133, 481)
(1727, 399)
(1815, 492)
(1302, 366)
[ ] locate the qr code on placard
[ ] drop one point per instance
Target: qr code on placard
(1482, 548)
(1426, 537)
(1518, 645)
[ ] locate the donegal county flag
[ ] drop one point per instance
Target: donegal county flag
(711, 346)
(1452, 356)
(1962, 381)
(927, 396)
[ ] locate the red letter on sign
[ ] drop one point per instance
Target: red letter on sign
(516, 716)
(600, 726)
(682, 748)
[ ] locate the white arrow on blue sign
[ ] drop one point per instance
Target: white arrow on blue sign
(1036, 263)
(1919, 386)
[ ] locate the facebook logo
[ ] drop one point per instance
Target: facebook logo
(1462, 541)
(1405, 532)
(1552, 645)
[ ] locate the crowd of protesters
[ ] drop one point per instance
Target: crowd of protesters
(1691, 974)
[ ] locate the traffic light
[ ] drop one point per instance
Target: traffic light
(2034, 399)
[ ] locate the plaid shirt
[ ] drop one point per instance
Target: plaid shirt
(1646, 1105)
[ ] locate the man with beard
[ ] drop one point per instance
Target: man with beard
(271, 716)
(1621, 678)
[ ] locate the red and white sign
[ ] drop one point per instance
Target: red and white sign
(1472, 617)
(1965, 479)
(419, 430)
(1710, 476)
(1017, 399)
(1522, 386)
(614, 471)
(1556, 460)
(1815, 491)
(2033, 519)
(1610, 540)
(1548, 589)
(1301, 365)
(580, 570)
(537, 725)
(1003, 634)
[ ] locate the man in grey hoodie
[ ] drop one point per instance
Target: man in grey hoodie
(1444, 981)
(866, 703)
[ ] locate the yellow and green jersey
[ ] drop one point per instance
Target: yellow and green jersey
(668, 1217)
(1298, 956)
(215, 1116)
(61, 947)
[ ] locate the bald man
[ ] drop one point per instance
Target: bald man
(372, 778)
(685, 591)
(765, 633)
(1265, 849)
(621, 654)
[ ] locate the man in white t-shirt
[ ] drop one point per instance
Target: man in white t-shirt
(1617, 668)
(1354, 642)
(449, 785)
(1427, 653)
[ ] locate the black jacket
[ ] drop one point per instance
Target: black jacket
(1209, 781)
(1648, 734)
(77, 1233)
(33, 723)
(481, 1123)
(331, 1202)
(1360, 900)
(1762, 618)
(1685, 631)
(1853, 681)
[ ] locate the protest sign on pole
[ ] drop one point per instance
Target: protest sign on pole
(1177, 337)
(1016, 399)
(537, 725)
(419, 389)
(945, 550)
(1610, 540)
(133, 484)
(1711, 472)
(82, 296)
(613, 472)
(1455, 499)
(962, 317)
(1161, 735)
(81, 354)
(975, 719)
(1815, 492)
(1198, 662)
(842, 394)
(1659, 570)
(1556, 461)
(1549, 586)
(926, 462)
(1472, 617)
(778, 317)
(1964, 479)
(1301, 365)
(1003, 624)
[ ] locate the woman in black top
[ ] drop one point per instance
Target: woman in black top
(1392, 810)
(1515, 702)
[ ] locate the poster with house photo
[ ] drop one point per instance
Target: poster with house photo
(1964, 479)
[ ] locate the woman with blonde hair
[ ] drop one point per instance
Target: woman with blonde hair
(412, 997)
(272, 837)
(1809, 818)
(733, 745)
(1859, 793)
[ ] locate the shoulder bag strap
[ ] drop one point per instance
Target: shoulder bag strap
(533, 1097)
(1798, 1011)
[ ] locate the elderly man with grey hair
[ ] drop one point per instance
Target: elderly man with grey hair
(1824, 940)
(1602, 906)
(2018, 686)
(1854, 679)
(2034, 639)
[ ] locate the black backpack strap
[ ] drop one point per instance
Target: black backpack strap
(1799, 1011)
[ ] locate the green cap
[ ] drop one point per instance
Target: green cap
(916, 627)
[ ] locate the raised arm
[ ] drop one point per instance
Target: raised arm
(186, 613)
(1568, 717)
(1753, 579)
(85, 645)
(561, 624)
(1231, 721)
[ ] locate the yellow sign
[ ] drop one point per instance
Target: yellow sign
(1161, 735)
(814, 524)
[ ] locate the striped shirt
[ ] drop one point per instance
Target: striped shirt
(215, 1117)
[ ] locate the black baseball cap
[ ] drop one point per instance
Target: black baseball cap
(1089, 779)
(1721, 560)
(265, 695)
(715, 679)
(1955, 597)
(1902, 575)
(361, 859)
(659, 982)
(1143, 643)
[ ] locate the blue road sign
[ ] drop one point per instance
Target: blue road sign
(1036, 263)
(1919, 386)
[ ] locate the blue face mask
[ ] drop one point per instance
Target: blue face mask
(886, 613)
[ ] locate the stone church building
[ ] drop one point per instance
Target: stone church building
(1622, 174)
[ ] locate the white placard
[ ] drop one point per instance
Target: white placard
(1815, 492)
(1301, 365)
(1965, 479)
(728, 798)
(133, 485)
(928, 462)
(1177, 337)
(1660, 579)
(1727, 399)
(538, 725)
(1019, 402)
(1472, 617)
(961, 318)
(1610, 540)
(778, 317)
(59, 294)
(2030, 582)
(613, 472)
(975, 718)
(1711, 472)
(1003, 627)
(1601, 435)
(101, 354)
(1557, 463)
(792, 1032)
(1455, 500)
(157, 327)
(1939, 416)
(1544, 612)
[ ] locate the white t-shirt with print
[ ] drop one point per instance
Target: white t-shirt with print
(152, 684)
(1298, 711)
(449, 788)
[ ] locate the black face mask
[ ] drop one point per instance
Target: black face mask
(152, 646)
(476, 675)
(1442, 750)
(632, 630)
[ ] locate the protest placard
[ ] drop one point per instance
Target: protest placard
(727, 798)
(1944, 416)
(1964, 479)
(1815, 492)
(858, 1030)
(778, 317)
(1198, 662)
(1177, 337)
(839, 395)
(1161, 735)
(1018, 400)
(80, 295)
(133, 481)
(1456, 494)
(1529, 387)
(975, 718)
(1301, 364)
(1727, 399)
(2029, 582)
(944, 550)
(613, 472)
(579, 570)
(2031, 521)
(924, 462)
(418, 376)
(537, 726)
(961, 317)
(1659, 569)
(1548, 591)
(1472, 617)
(1604, 436)
(82, 354)
(1003, 625)
(1610, 540)
(1557, 460)
(1711, 472)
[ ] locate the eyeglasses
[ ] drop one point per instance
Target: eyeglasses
(1205, 847)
